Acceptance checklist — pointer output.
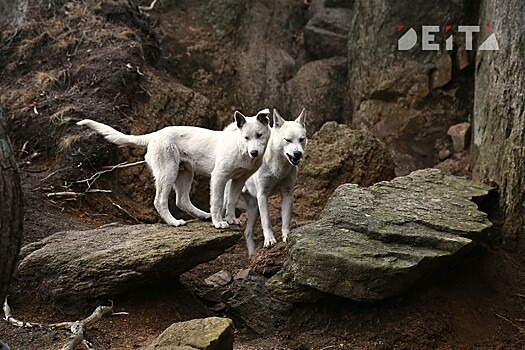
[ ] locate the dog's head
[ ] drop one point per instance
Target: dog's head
(289, 136)
(255, 132)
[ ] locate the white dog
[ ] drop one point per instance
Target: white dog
(277, 173)
(175, 153)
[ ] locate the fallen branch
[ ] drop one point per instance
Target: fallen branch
(148, 8)
(8, 316)
(64, 194)
(77, 328)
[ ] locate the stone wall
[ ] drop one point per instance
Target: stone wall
(408, 98)
(498, 150)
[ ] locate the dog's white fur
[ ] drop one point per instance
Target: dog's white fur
(175, 153)
(278, 173)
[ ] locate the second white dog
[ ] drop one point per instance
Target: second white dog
(278, 173)
(175, 153)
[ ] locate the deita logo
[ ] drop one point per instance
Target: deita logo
(409, 39)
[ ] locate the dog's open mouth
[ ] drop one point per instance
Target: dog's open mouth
(293, 160)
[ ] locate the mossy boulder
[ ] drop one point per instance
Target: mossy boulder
(84, 265)
(376, 242)
(212, 333)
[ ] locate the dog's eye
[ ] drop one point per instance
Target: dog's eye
(246, 138)
(301, 139)
(258, 135)
(288, 140)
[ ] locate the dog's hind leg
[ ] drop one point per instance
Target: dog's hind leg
(163, 161)
(182, 190)
(253, 215)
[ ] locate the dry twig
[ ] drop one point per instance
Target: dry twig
(148, 8)
(90, 181)
(125, 211)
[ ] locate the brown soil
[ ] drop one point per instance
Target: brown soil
(51, 74)
(476, 305)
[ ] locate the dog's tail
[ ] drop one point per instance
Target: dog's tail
(115, 136)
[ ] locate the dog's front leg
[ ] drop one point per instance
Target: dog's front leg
(262, 201)
(286, 211)
(253, 215)
(287, 187)
(233, 198)
(217, 185)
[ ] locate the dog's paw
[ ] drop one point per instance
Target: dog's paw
(221, 224)
(233, 221)
(285, 235)
(268, 242)
(177, 223)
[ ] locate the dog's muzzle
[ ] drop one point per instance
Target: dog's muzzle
(295, 158)
(254, 153)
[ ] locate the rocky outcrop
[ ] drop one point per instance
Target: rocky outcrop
(408, 98)
(281, 61)
(499, 110)
(335, 155)
(212, 333)
(315, 82)
(376, 242)
(326, 32)
(85, 265)
(252, 305)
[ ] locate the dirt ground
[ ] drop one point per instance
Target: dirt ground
(52, 73)
(477, 305)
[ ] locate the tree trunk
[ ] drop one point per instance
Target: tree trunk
(11, 211)
(13, 12)
(499, 109)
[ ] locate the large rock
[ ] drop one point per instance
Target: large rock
(107, 261)
(373, 243)
(314, 82)
(408, 98)
(212, 333)
(263, 60)
(335, 155)
(498, 121)
(326, 33)
(252, 304)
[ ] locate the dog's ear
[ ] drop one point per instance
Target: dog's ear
(300, 119)
(262, 116)
(240, 119)
(278, 121)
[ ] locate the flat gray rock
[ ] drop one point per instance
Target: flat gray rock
(376, 242)
(79, 265)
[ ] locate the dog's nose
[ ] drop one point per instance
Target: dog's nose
(254, 153)
(297, 154)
